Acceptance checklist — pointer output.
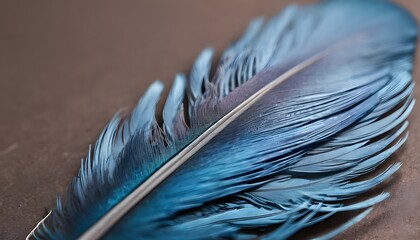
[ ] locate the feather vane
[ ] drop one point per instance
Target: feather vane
(296, 112)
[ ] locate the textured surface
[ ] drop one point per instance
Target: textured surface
(65, 70)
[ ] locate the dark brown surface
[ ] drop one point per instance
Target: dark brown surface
(66, 68)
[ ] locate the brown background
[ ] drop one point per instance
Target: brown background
(67, 67)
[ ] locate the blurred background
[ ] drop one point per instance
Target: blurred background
(67, 67)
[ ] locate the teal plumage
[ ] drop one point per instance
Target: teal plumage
(313, 99)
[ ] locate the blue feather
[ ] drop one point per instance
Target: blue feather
(298, 109)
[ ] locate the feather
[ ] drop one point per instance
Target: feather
(276, 140)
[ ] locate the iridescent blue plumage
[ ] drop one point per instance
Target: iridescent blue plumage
(288, 161)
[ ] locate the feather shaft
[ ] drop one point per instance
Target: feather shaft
(116, 213)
